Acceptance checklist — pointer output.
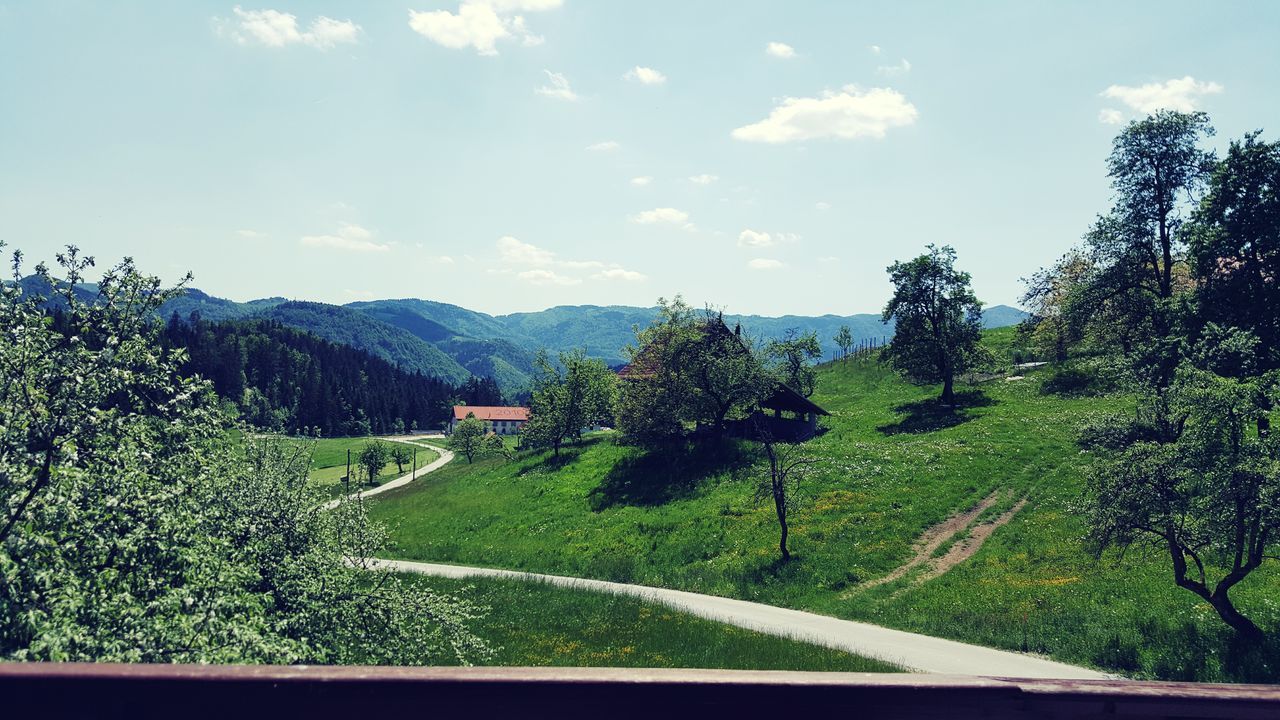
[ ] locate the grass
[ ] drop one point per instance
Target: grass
(329, 464)
(536, 624)
(892, 464)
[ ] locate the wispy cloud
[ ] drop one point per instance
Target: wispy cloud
(850, 113)
(559, 87)
(272, 28)
(663, 216)
(822, 205)
(642, 180)
(704, 179)
(480, 24)
(765, 264)
(348, 237)
(755, 238)
(902, 68)
(645, 76)
(605, 146)
(1110, 116)
(780, 50)
(539, 266)
(1181, 94)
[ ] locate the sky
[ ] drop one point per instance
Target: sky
(511, 155)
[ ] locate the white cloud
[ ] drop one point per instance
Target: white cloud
(480, 24)
(754, 238)
(780, 50)
(544, 268)
(1181, 94)
(605, 146)
(875, 49)
(850, 113)
(443, 260)
(620, 274)
(661, 215)
(348, 237)
(645, 76)
(642, 180)
(765, 264)
(516, 252)
(822, 205)
(546, 277)
(559, 87)
(1110, 116)
(704, 179)
(272, 28)
(901, 68)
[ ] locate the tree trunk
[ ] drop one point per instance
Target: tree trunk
(1227, 611)
(779, 503)
(949, 390)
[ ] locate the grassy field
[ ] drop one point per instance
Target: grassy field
(534, 624)
(329, 463)
(891, 465)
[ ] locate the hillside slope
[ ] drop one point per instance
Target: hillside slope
(892, 470)
(349, 327)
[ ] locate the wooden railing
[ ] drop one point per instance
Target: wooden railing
(181, 692)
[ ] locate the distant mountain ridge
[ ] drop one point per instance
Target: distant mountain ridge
(453, 343)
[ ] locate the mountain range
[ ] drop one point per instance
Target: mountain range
(454, 343)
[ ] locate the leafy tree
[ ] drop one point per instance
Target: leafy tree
(372, 458)
(793, 356)
(401, 455)
(1053, 298)
(844, 340)
(133, 529)
(1189, 476)
(576, 393)
(1235, 247)
(468, 438)
(787, 466)
(686, 370)
(938, 320)
(1138, 250)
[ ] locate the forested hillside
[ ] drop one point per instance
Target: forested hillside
(285, 379)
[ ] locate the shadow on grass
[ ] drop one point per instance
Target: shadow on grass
(929, 415)
(567, 456)
(658, 477)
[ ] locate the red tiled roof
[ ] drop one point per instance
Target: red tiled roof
(460, 412)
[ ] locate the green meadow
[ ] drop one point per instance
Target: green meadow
(891, 465)
(535, 624)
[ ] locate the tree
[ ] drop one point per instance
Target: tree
(1156, 169)
(1235, 245)
(688, 369)
(470, 438)
(134, 528)
(787, 465)
(844, 340)
(372, 458)
(401, 455)
(576, 393)
(1053, 298)
(793, 356)
(938, 320)
(1191, 478)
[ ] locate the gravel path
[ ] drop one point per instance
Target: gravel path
(444, 457)
(910, 650)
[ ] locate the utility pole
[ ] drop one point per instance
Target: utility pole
(346, 481)
(415, 463)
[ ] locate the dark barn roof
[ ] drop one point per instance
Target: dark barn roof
(784, 398)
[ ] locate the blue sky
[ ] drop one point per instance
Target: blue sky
(505, 155)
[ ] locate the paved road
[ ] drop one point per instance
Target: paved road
(444, 457)
(917, 652)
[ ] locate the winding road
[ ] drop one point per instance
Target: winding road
(444, 457)
(922, 653)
